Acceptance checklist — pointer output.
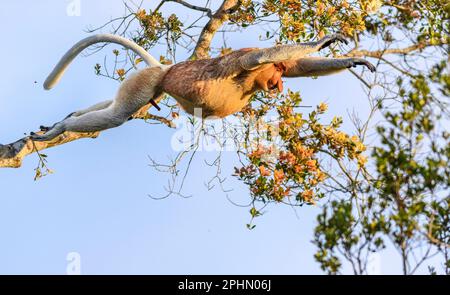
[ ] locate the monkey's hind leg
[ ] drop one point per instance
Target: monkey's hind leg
(50, 132)
(130, 98)
(90, 122)
(96, 107)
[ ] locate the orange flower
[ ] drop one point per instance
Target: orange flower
(278, 175)
(362, 160)
(322, 107)
(257, 153)
(331, 10)
(341, 136)
(308, 196)
(321, 34)
(264, 172)
(298, 168)
(311, 164)
(120, 72)
(320, 176)
(302, 152)
(287, 157)
(140, 15)
(345, 4)
(320, 8)
(372, 6)
(312, 181)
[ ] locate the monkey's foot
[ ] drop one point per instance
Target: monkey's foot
(37, 137)
(57, 130)
(328, 40)
(42, 137)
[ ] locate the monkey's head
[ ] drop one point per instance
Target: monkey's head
(269, 77)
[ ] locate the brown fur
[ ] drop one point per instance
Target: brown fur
(219, 86)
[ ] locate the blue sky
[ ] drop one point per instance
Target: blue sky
(97, 204)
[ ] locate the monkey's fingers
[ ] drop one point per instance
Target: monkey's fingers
(340, 38)
(328, 40)
(364, 62)
(38, 137)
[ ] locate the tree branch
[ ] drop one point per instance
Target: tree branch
(12, 155)
(217, 19)
(402, 51)
(194, 7)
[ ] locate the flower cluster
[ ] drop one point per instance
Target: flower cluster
(304, 19)
(287, 167)
(155, 25)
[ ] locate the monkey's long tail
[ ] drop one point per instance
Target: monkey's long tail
(65, 61)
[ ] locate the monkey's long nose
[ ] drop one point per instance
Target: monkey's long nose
(278, 85)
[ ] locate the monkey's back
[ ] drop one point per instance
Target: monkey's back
(209, 84)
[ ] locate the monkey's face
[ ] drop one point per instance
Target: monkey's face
(270, 77)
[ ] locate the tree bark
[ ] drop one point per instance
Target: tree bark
(12, 155)
(218, 18)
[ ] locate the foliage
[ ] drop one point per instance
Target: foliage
(396, 193)
(407, 197)
(283, 156)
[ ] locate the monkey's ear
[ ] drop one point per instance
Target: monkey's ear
(281, 66)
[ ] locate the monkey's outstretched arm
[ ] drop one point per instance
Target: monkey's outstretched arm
(65, 61)
(322, 66)
(281, 53)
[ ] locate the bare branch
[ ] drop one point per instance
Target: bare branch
(401, 51)
(194, 7)
(221, 16)
(11, 155)
(162, 120)
(159, 6)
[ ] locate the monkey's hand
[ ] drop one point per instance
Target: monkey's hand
(362, 62)
(328, 40)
